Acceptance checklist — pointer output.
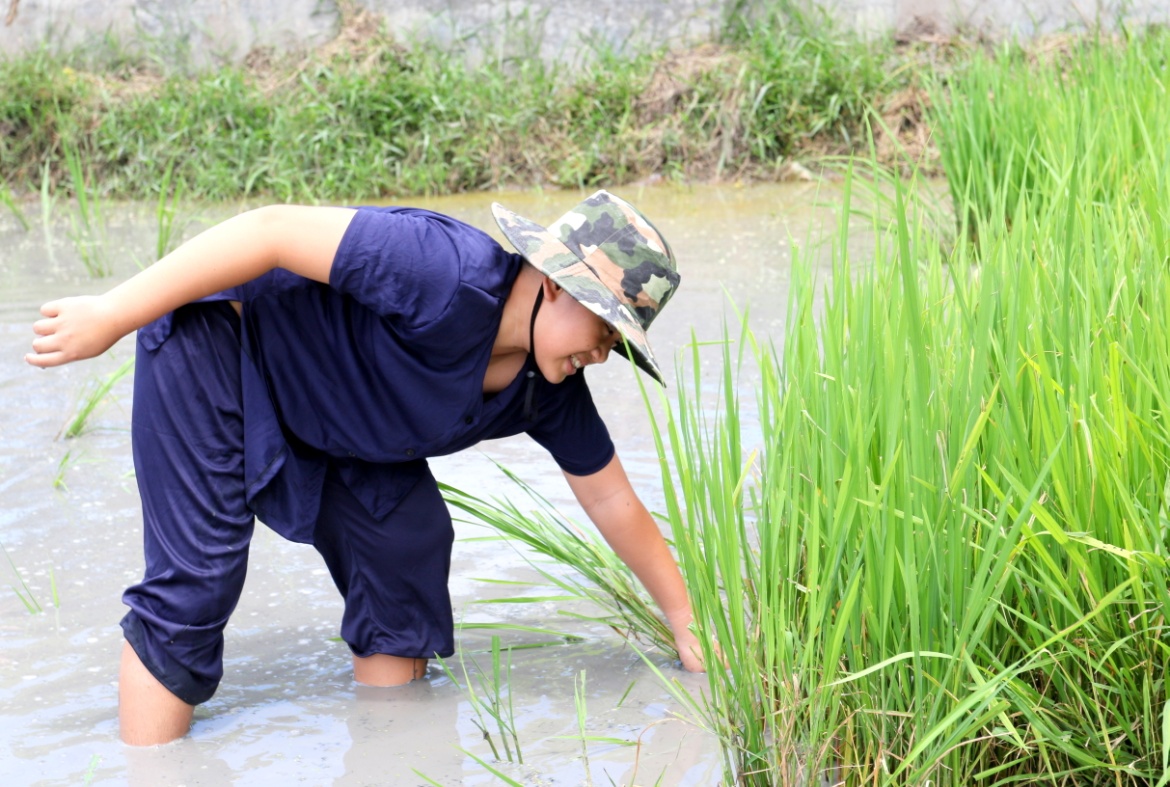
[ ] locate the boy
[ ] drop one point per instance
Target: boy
(298, 364)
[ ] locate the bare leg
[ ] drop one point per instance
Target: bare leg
(384, 670)
(147, 711)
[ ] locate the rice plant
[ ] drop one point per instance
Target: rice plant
(599, 575)
(24, 593)
(87, 223)
(945, 562)
(9, 201)
(96, 392)
(492, 702)
(1007, 124)
(166, 213)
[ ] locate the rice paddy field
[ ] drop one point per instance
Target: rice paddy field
(945, 561)
(924, 520)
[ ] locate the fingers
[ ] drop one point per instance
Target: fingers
(45, 360)
(44, 327)
(47, 346)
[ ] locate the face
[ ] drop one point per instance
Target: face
(569, 336)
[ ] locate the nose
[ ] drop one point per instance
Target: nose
(601, 353)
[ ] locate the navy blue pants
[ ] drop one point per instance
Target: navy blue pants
(188, 438)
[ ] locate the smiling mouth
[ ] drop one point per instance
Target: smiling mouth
(576, 363)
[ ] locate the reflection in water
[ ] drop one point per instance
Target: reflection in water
(288, 710)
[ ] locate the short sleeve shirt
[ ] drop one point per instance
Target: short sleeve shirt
(384, 366)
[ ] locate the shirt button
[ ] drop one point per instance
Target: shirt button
(410, 452)
(469, 420)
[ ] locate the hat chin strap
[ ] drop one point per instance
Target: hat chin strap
(532, 325)
(530, 410)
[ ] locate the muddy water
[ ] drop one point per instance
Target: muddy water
(288, 711)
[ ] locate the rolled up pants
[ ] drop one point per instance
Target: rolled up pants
(188, 438)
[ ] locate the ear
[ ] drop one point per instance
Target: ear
(552, 290)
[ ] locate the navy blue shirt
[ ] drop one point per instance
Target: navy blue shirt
(384, 366)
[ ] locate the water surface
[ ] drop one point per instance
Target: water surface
(288, 710)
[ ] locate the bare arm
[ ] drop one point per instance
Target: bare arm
(614, 507)
(300, 239)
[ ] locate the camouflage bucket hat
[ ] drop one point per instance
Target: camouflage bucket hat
(610, 258)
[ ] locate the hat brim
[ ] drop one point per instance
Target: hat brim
(550, 256)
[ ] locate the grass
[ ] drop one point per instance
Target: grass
(368, 117)
(169, 225)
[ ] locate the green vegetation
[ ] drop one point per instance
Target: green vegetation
(88, 224)
(604, 580)
(1094, 109)
(943, 560)
(366, 117)
(493, 701)
(96, 392)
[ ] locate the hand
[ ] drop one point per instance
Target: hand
(690, 652)
(74, 329)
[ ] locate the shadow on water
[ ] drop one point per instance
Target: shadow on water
(288, 709)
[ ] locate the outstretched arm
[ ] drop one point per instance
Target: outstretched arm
(614, 507)
(300, 239)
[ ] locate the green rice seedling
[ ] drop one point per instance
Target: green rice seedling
(88, 226)
(9, 201)
(166, 213)
(492, 703)
(48, 201)
(59, 479)
(502, 777)
(91, 771)
(24, 593)
(558, 637)
(580, 704)
(603, 579)
(96, 392)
